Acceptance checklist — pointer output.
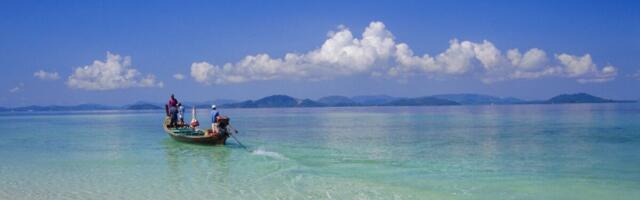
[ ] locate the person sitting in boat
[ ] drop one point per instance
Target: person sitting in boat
(173, 111)
(180, 114)
(214, 118)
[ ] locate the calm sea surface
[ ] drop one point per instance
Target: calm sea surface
(582, 151)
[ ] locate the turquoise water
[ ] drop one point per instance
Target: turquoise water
(585, 151)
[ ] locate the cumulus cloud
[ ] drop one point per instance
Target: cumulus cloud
(457, 59)
(178, 76)
(377, 53)
(607, 73)
(576, 66)
(584, 68)
(203, 71)
(41, 74)
(531, 59)
(113, 73)
(341, 54)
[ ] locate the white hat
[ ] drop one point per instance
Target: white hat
(213, 106)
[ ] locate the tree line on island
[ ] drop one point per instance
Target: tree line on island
(284, 101)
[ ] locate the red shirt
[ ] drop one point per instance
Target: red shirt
(173, 102)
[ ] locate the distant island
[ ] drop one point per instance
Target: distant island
(281, 101)
(284, 101)
(583, 98)
(142, 106)
(275, 101)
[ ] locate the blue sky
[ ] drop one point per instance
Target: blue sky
(118, 52)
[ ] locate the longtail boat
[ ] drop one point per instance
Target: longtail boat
(199, 136)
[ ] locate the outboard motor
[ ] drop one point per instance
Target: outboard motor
(223, 122)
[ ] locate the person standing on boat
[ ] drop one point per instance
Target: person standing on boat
(180, 114)
(173, 111)
(214, 118)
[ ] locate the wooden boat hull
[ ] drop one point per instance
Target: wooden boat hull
(217, 139)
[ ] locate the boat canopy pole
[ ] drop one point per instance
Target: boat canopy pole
(193, 113)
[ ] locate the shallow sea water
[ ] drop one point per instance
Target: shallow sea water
(581, 151)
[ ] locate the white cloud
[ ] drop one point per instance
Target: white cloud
(607, 73)
(16, 88)
(341, 54)
(377, 53)
(113, 73)
(585, 70)
(41, 74)
(487, 54)
(576, 66)
(347, 54)
(550, 71)
(457, 59)
(534, 58)
(203, 71)
(178, 76)
(408, 63)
